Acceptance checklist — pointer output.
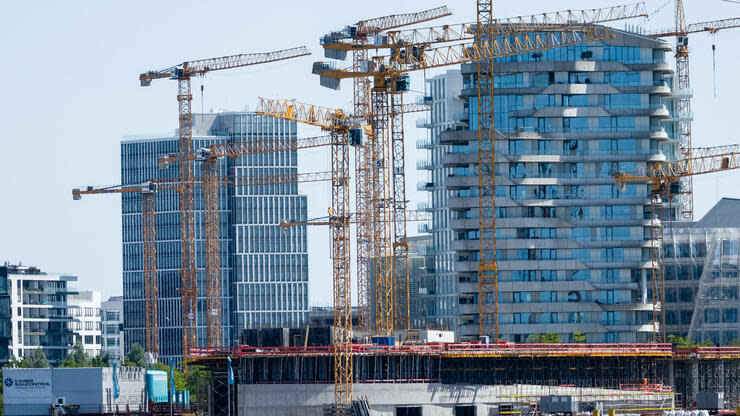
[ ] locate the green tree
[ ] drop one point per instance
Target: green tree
(16, 363)
(579, 337)
(198, 380)
(135, 356)
(734, 343)
(180, 379)
(550, 338)
(77, 358)
(100, 361)
(37, 359)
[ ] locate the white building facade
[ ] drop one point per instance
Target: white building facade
(111, 316)
(86, 311)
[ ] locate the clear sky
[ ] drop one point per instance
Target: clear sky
(70, 93)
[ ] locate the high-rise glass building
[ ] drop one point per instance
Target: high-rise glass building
(702, 262)
(573, 246)
(264, 268)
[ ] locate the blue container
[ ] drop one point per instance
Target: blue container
(156, 386)
(389, 341)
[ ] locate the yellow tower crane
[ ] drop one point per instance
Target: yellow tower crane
(683, 110)
(414, 41)
(664, 178)
(188, 287)
(340, 126)
(410, 57)
(366, 33)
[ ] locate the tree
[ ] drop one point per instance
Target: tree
(550, 338)
(180, 380)
(198, 380)
(135, 356)
(37, 359)
(579, 337)
(101, 360)
(16, 363)
(679, 341)
(77, 358)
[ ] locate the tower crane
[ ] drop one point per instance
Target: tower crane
(363, 32)
(386, 72)
(681, 32)
(342, 129)
(663, 178)
(337, 48)
(149, 249)
(189, 288)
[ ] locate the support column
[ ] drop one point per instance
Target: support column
(694, 383)
(670, 380)
(719, 373)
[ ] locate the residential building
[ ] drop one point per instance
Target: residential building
(439, 294)
(111, 316)
(86, 311)
(701, 275)
(264, 268)
(572, 246)
(35, 312)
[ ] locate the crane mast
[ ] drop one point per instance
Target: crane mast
(487, 265)
(338, 125)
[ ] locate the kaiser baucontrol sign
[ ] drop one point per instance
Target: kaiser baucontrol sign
(27, 386)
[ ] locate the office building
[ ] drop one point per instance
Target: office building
(35, 312)
(111, 316)
(264, 268)
(86, 313)
(701, 276)
(572, 246)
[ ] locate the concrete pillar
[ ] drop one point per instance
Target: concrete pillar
(671, 381)
(694, 382)
(720, 374)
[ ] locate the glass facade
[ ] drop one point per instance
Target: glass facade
(264, 268)
(572, 246)
(702, 263)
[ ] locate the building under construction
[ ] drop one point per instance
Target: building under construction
(495, 379)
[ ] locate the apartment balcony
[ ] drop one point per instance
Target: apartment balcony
(681, 94)
(424, 228)
(681, 117)
(424, 165)
(423, 123)
(424, 100)
(425, 186)
(424, 207)
(658, 133)
(424, 144)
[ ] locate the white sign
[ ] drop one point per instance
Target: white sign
(27, 385)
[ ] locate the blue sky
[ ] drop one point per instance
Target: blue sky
(70, 93)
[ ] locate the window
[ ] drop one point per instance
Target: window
(408, 411)
(89, 339)
(464, 411)
(549, 297)
(522, 297)
(729, 315)
(576, 317)
(711, 316)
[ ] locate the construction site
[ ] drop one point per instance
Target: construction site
(591, 128)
